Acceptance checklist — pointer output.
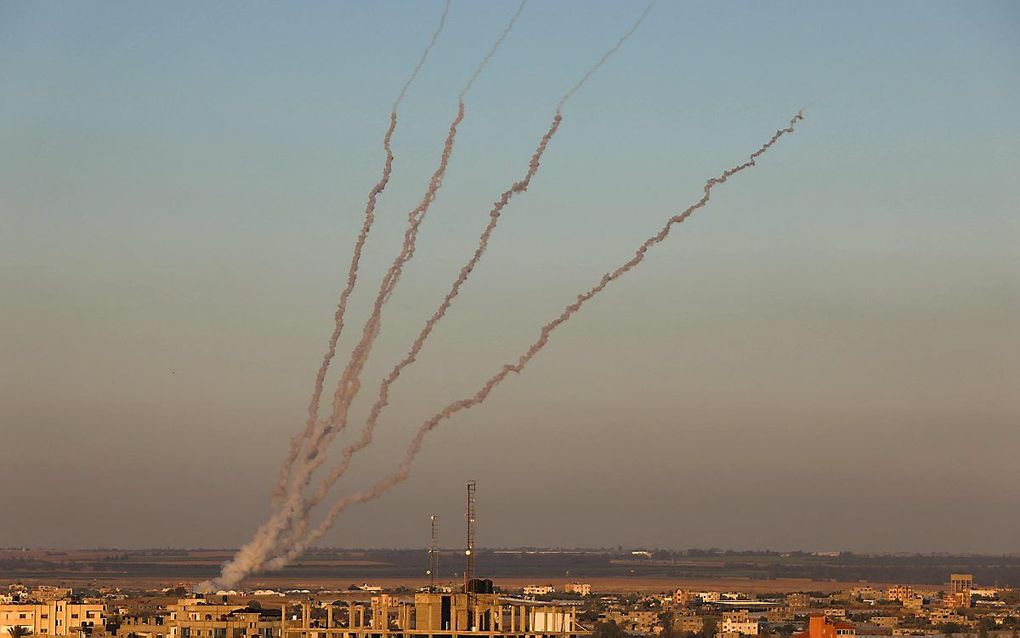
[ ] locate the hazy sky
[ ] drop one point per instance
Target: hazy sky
(827, 357)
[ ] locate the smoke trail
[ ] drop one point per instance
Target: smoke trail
(619, 43)
(494, 215)
(350, 384)
(499, 41)
(404, 468)
(253, 554)
(419, 342)
(352, 274)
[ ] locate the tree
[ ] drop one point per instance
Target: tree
(708, 629)
(608, 630)
(18, 631)
(666, 620)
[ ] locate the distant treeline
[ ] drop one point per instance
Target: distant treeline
(687, 564)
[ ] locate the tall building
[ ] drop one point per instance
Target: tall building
(959, 590)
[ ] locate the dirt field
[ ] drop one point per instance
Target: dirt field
(606, 585)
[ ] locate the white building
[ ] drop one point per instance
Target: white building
(538, 590)
(739, 622)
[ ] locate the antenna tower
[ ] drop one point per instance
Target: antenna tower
(433, 555)
(469, 552)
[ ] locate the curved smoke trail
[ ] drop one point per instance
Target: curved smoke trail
(352, 274)
(465, 272)
(251, 556)
(404, 468)
(350, 381)
(383, 399)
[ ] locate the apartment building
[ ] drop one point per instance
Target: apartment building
(54, 618)
(739, 622)
(582, 589)
(538, 590)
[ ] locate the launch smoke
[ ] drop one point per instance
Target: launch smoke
(518, 366)
(320, 433)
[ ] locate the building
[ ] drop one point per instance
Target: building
(823, 627)
(478, 614)
(583, 589)
(865, 592)
(798, 600)
(634, 621)
(688, 623)
(54, 618)
(199, 618)
(946, 616)
(49, 594)
(960, 586)
(887, 622)
(538, 590)
(899, 592)
(685, 598)
(739, 622)
(913, 604)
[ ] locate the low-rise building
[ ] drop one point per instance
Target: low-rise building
(54, 618)
(739, 622)
(688, 623)
(899, 592)
(538, 590)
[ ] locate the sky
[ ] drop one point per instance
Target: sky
(826, 357)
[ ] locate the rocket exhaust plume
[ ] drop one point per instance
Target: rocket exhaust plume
(350, 383)
(352, 274)
(546, 331)
(465, 272)
(254, 553)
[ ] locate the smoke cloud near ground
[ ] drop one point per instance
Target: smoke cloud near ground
(318, 434)
(286, 534)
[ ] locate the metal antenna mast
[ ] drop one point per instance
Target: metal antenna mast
(433, 555)
(469, 554)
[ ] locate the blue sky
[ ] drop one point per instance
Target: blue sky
(179, 185)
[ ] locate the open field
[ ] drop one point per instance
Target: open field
(606, 570)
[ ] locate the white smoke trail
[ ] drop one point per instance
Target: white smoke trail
(352, 274)
(465, 272)
(366, 435)
(253, 554)
(598, 65)
(350, 381)
(404, 468)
